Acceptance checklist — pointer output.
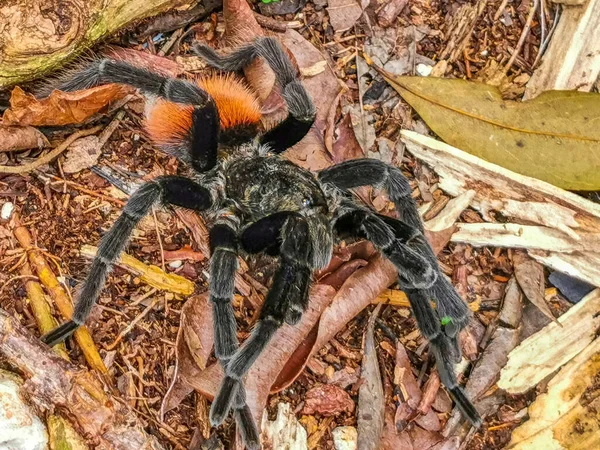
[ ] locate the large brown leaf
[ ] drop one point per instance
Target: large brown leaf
(554, 137)
(60, 108)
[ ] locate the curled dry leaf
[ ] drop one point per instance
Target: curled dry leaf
(327, 400)
(60, 108)
(371, 398)
(184, 253)
(14, 138)
(346, 146)
(343, 14)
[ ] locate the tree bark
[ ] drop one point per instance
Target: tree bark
(38, 36)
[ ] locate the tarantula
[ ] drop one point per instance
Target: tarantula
(259, 202)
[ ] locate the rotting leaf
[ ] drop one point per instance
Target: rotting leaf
(371, 398)
(60, 108)
(13, 138)
(551, 137)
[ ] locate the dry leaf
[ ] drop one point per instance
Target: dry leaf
(346, 145)
(510, 133)
(82, 154)
(327, 400)
(530, 275)
(343, 14)
(60, 108)
(13, 138)
(371, 398)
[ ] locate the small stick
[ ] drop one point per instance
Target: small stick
(523, 36)
(25, 168)
(159, 239)
(133, 323)
(276, 25)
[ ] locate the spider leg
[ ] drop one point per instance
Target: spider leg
(173, 190)
(372, 172)
(284, 303)
(199, 147)
(449, 305)
(402, 244)
(301, 110)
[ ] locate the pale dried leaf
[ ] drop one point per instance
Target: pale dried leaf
(530, 275)
(82, 154)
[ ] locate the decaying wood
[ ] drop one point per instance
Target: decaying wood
(573, 57)
(554, 345)
(562, 228)
(567, 416)
(55, 384)
(38, 37)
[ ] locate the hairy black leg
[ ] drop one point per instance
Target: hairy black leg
(401, 244)
(442, 324)
(200, 146)
(173, 190)
(372, 172)
(285, 302)
(443, 349)
(301, 110)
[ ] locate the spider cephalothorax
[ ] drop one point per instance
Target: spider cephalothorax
(256, 201)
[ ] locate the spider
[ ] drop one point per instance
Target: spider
(258, 202)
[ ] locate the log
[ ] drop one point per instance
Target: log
(55, 384)
(39, 36)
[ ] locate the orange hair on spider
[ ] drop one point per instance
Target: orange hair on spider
(169, 123)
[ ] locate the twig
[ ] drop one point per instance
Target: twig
(546, 41)
(277, 25)
(523, 36)
(132, 324)
(55, 383)
(25, 168)
(159, 239)
(500, 9)
(61, 300)
(79, 187)
(172, 40)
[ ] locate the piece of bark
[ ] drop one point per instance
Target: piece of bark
(39, 36)
(572, 60)
(567, 415)
(327, 400)
(53, 383)
(566, 235)
(389, 12)
(544, 352)
(285, 431)
(530, 275)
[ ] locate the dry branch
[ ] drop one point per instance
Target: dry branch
(53, 383)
